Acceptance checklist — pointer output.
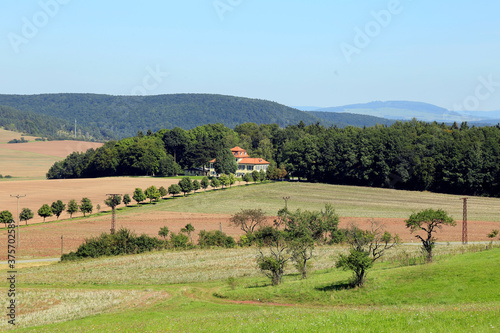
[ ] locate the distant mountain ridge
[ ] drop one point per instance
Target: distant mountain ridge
(407, 110)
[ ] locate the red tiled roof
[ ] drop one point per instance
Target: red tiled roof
(250, 160)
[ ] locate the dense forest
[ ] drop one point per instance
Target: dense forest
(118, 117)
(406, 155)
(45, 126)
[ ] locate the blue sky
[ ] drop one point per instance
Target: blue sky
(296, 52)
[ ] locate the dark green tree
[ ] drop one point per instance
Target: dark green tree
(139, 195)
(205, 183)
(163, 191)
(57, 208)
(86, 206)
(45, 211)
(6, 217)
(72, 208)
(26, 215)
(188, 229)
(163, 232)
(225, 162)
(196, 185)
(126, 199)
(113, 200)
(174, 189)
(215, 183)
(186, 185)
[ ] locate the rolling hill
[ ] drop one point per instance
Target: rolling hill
(122, 116)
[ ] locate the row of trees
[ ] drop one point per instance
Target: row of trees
(56, 208)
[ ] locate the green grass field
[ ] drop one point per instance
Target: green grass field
(347, 200)
(189, 292)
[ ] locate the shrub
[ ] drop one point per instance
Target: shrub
(178, 241)
(215, 238)
(123, 241)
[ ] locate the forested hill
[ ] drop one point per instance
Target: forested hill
(45, 126)
(124, 116)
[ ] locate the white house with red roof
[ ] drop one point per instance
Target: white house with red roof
(245, 163)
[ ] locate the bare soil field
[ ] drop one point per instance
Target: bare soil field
(39, 192)
(33, 159)
(44, 239)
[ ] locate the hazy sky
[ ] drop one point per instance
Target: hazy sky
(295, 52)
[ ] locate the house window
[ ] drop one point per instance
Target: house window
(211, 165)
(249, 167)
(241, 167)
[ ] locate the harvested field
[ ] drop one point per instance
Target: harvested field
(32, 160)
(39, 192)
(6, 136)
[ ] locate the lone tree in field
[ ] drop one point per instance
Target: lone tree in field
(45, 211)
(86, 206)
(72, 208)
(139, 196)
(126, 199)
(26, 215)
(57, 208)
(188, 229)
(248, 219)
(366, 246)
(205, 183)
(6, 217)
(428, 220)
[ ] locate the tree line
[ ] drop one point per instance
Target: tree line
(410, 155)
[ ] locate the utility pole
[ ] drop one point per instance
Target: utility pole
(464, 223)
(113, 196)
(286, 202)
(18, 219)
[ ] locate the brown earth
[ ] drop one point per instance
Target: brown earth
(52, 148)
(32, 160)
(44, 239)
(39, 192)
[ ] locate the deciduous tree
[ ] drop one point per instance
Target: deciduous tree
(186, 185)
(248, 219)
(366, 246)
(26, 215)
(139, 195)
(428, 220)
(126, 199)
(152, 193)
(6, 217)
(174, 189)
(57, 208)
(205, 183)
(72, 208)
(45, 211)
(86, 206)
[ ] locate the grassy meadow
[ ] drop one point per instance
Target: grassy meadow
(222, 291)
(347, 200)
